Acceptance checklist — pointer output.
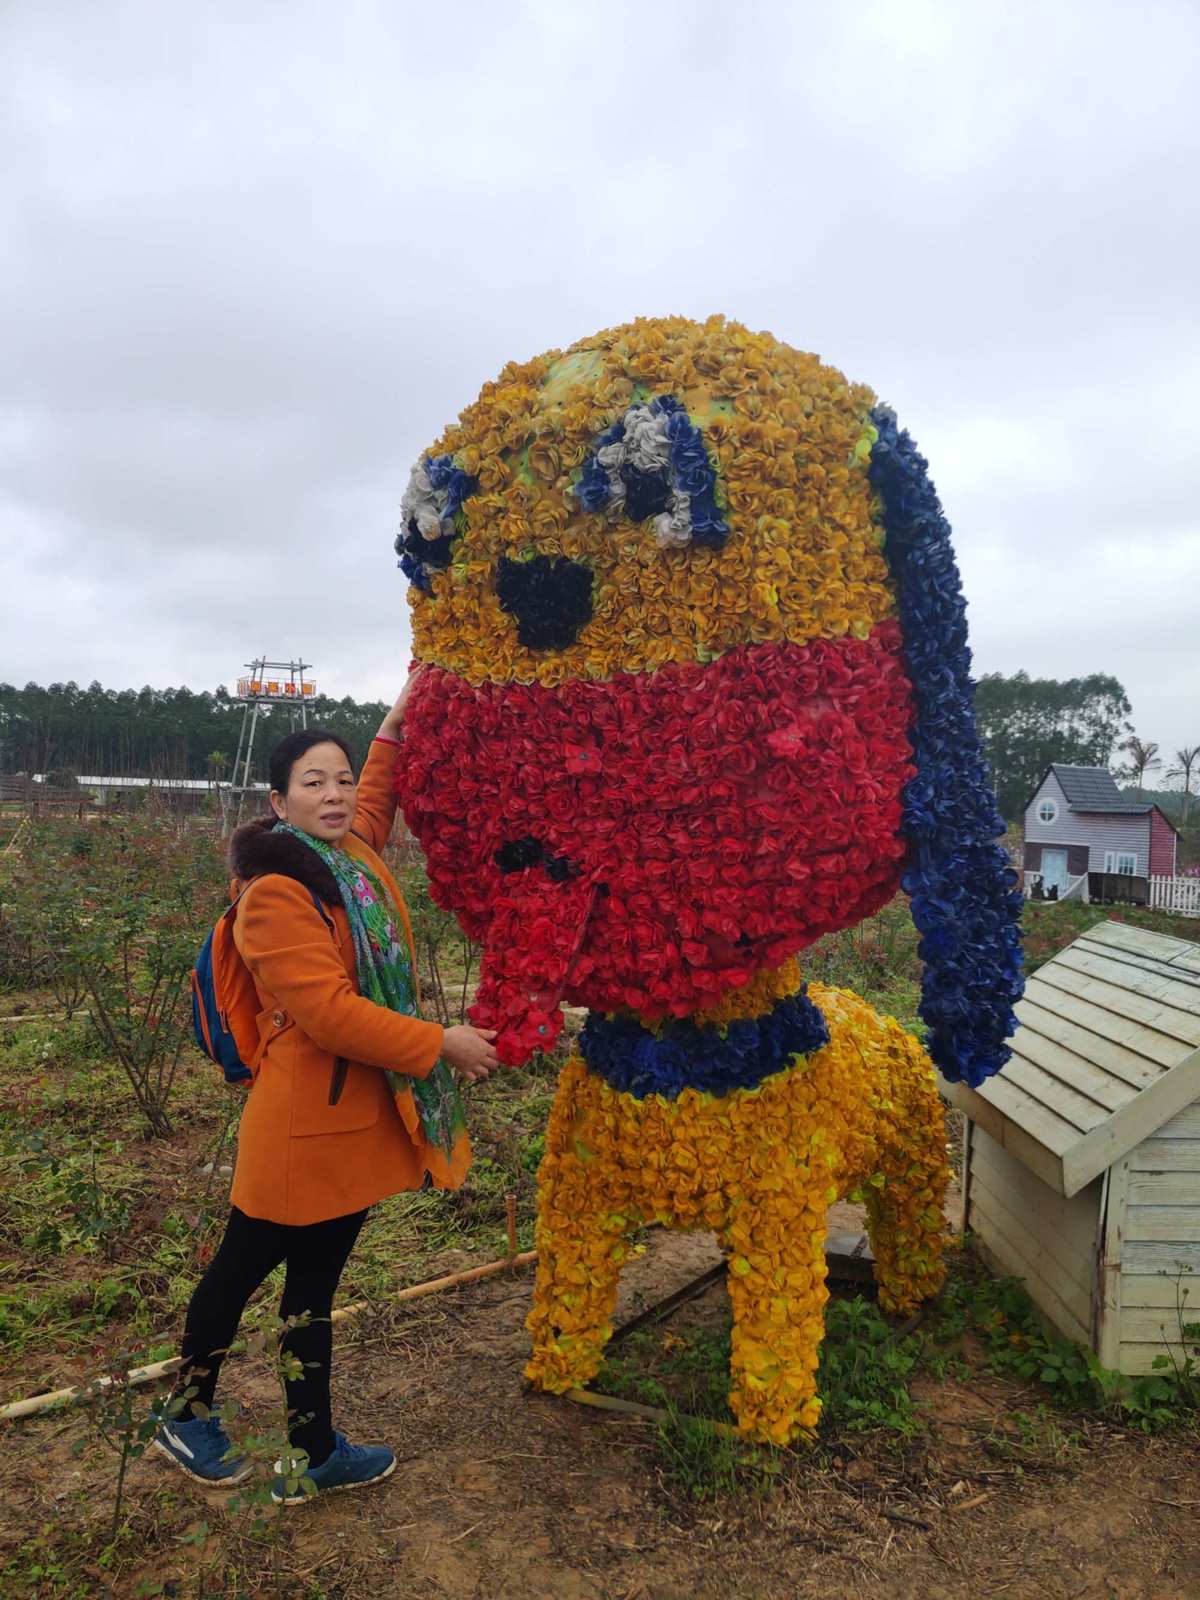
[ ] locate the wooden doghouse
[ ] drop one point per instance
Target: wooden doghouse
(1081, 1170)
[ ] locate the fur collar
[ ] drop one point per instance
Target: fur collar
(257, 849)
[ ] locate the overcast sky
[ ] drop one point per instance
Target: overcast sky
(254, 256)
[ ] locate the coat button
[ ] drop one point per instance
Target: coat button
(279, 1018)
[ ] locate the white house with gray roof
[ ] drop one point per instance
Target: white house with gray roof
(1079, 825)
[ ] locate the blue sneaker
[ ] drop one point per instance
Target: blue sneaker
(348, 1466)
(202, 1448)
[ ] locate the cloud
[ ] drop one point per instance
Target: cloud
(255, 258)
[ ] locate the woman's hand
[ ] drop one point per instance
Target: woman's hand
(392, 726)
(470, 1051)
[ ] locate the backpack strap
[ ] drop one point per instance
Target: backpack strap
(323, 911)
(319, 905)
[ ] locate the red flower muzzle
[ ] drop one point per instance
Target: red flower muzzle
(651, 841)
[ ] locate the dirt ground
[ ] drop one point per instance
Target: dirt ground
(502, 1494)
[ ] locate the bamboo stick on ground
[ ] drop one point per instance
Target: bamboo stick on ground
(434, 1285)
(163, 1369)
(634, 1408)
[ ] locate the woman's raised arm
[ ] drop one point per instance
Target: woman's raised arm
(376, 811)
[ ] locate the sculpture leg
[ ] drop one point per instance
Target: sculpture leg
(776, 1245)
(905, 1219)
(584, 1213)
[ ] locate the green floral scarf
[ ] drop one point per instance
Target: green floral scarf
(385, 975)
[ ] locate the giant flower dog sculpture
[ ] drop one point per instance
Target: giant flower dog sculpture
(697, 693)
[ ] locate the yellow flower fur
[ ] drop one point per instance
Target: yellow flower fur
(760, 1168)
(789, 439)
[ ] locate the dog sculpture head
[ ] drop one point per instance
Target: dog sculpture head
(698, 688)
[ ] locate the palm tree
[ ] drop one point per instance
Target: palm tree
(1143, 758)
(1187, 759)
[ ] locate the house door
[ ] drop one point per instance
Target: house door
(1054, 869)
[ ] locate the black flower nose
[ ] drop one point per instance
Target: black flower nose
(550, 597)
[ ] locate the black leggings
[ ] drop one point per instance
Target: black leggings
(252, 1248)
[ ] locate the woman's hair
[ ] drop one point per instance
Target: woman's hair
(292, 746)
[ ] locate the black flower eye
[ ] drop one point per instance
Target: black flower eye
(652, 463)
(416, 552)
(647, 494)
(550, 597)
(429, 516)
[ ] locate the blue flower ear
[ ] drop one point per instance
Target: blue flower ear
(965, 902)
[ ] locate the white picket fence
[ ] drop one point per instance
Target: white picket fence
(1181, 895)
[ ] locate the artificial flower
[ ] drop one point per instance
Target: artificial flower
(760, 1167)
(697, 693)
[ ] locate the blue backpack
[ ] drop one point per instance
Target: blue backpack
(225, 1004)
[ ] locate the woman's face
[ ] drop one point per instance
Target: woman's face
(321, 794)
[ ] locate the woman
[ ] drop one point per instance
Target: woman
(352, 1097)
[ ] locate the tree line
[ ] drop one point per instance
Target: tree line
(65, 730)
(1027, 723)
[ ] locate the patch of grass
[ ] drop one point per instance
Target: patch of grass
(687, 1376)
(657, 1367)
(877, 959)
(702, 1464)
(1037, 1436)
(30, 1312)
(58, 1076)
(1020, 1344)
(69, 1193)
(56, 1313)
(50, 1563)
(863, 1378)
(865, 1370)
(1050, 926)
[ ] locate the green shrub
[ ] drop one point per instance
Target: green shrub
(119, 910)
(1019, 1343)
(865, 1369)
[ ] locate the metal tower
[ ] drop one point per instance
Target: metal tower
(269, 683)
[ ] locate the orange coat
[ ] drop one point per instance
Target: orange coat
(308, 1151)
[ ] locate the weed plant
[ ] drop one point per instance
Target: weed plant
(115, 911)
(1019, 1343)
(447, 961)
(67, 1203)
(877, 959)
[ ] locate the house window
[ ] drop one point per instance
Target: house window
(1120, 861)
(1047, 811)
